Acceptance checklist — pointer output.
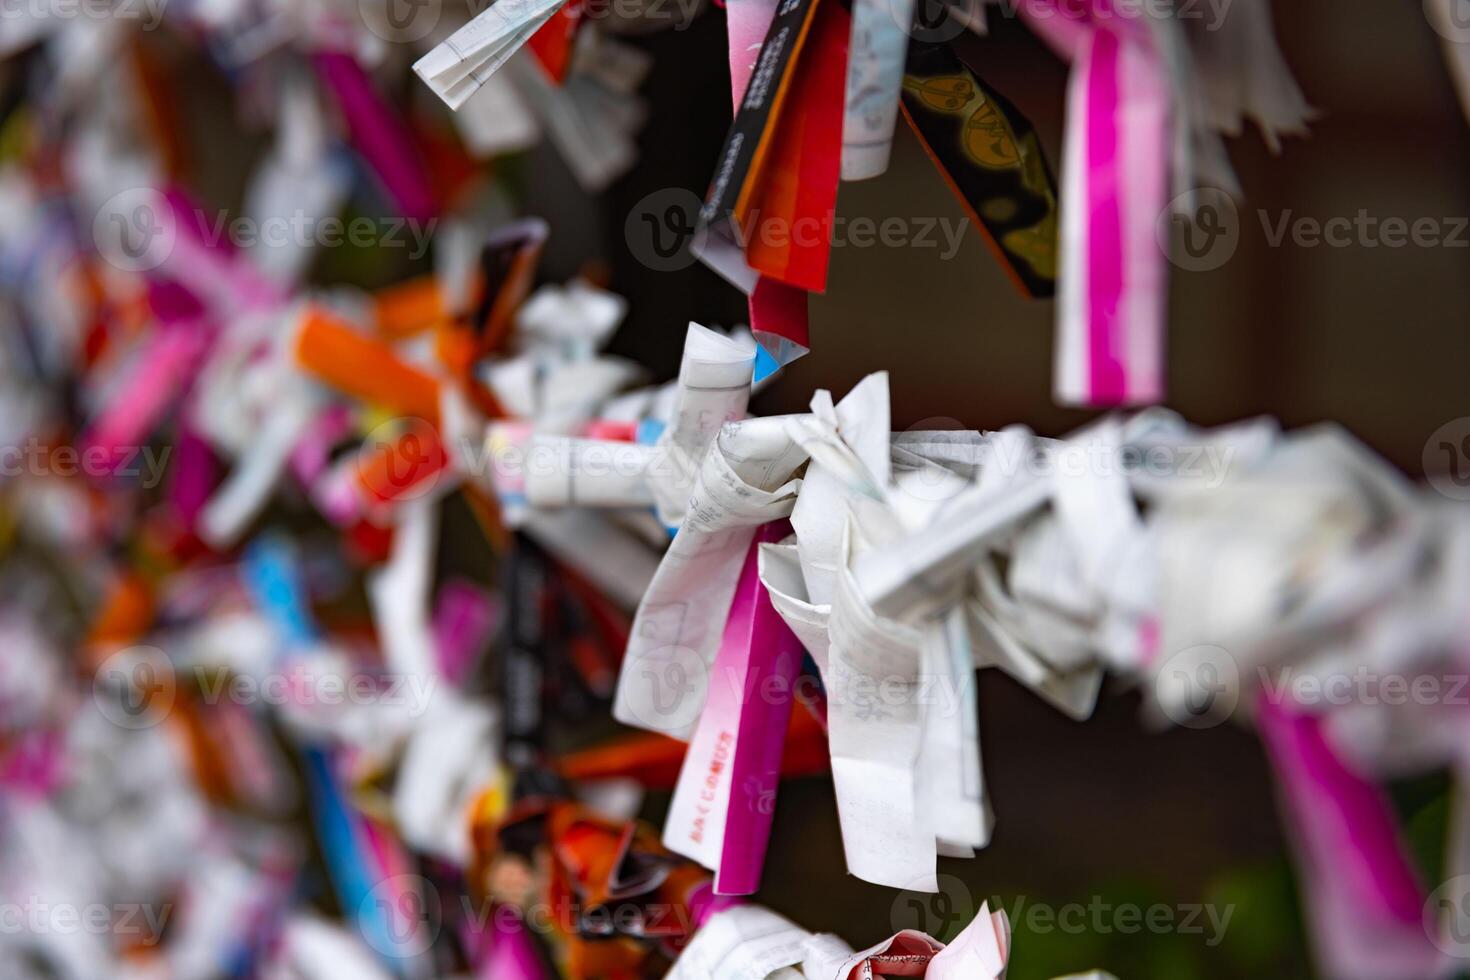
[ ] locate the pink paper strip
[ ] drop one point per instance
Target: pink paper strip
(208, 266)
(379, 134)
(157, 379)
(464, 617)
(1105, 232)
(704, 903)
(509, 953)
(313, 453)
(1110, 330)
(760, 646)
(1362, 899)
(726, 792)
(192, 476)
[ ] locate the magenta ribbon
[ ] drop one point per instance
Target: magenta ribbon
(1114, 274)
(208, 266)
(502, 948)
(464, 617)
(382, 138)
(192, 477)
(1105, 225)
(1361, 895)
(756, 635)
(156, 381)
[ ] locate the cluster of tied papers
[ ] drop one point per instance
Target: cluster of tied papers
(890, 565)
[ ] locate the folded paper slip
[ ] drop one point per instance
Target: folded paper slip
(778, 312)
(456, 69)
(507, 270)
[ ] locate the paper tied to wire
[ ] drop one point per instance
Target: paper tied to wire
(458, 67)
(746, 480)
(723, 803)
(753, 943)
(1379, 608)
(767, 224)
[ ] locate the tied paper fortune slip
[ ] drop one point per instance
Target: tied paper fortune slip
(456, 69)
(770, 209)
(721, 812)
(778, 313)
